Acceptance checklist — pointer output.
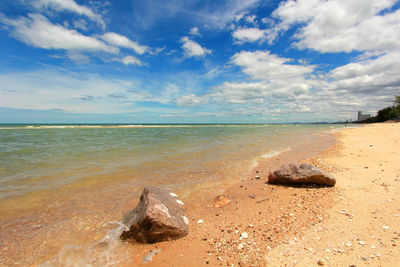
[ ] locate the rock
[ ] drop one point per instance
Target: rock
(221, 200)
(159, 216)
(321, 262)
(149, 257)
(303, 174)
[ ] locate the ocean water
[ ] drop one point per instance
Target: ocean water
(67, 186)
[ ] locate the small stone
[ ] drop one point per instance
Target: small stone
(386, 227)
(240, 246)
(364, 258)
(244, 235)
(321, 262)
(257, 177)
(200, 221)
(361, 243)
(348, 244)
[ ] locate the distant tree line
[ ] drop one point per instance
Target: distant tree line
(389, 113)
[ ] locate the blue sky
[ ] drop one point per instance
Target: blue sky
(187, 61)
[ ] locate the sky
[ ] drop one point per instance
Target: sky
(197, 61)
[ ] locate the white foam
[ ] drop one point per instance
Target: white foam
(274, 153)
(109, 251)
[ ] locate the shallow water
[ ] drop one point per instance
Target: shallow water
(62, 185)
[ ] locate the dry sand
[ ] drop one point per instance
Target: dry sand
(355, 223)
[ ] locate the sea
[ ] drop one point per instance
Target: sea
(65, 188)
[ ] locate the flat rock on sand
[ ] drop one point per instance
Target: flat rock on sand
(159, 216)
(303, 174)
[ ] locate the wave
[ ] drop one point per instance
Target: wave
(274, 153)
(109, 251)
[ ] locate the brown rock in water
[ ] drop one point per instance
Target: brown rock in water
(159, 216)
(303, 174)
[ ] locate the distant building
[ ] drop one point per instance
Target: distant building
(362, 117)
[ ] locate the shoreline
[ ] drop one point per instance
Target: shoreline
(348, 224)
(216, 240)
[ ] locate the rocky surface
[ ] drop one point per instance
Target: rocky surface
(301, 174)
(159, 216)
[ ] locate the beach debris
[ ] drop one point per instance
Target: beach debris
(157, 217)
(149, 256)
(301, 174)
(221, 200)
(262, 200)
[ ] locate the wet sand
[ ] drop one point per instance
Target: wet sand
(354, 223)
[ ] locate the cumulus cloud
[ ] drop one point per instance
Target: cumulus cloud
(194, 31)
(250, 35)
(266, 66)
(283, 88)
(341, 26)
(37, 31)
(130, 60)
(193, 49)
(123, 41)
(69, 5)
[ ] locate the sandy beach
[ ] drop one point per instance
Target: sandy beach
(355, 223)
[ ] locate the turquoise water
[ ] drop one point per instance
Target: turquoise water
(65, 183)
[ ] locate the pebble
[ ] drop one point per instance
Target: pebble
(348, 244)
(321, 263)
(244, 235)
(361, 243)
(200, 221)
(385, 227)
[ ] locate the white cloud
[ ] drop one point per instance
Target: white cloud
(69, 5)
(283, 88)
(341, 25)
(191, 100)
(80, 24)
(194, 31)
(251, 19)
(266, 66)
(193, 49)
(122, 41)
(373, 77)
(130, 60)
(37, 31)
(250, 35)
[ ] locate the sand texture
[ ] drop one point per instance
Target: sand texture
(355, 223)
